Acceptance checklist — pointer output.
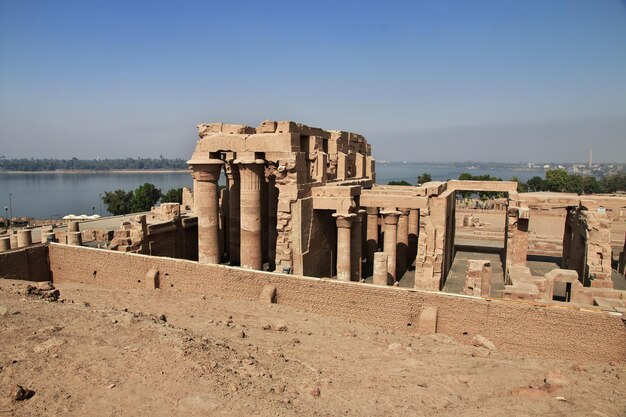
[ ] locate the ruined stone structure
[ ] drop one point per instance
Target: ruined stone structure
(165, 231)
(478, 278)
(303, 200)
(276, 175)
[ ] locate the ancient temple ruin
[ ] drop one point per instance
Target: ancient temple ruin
(290, 214)
(303, 200)
(299, 200)
(286, 184)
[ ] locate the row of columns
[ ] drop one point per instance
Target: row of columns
(21, 239)
(400, 229)
(24, 237)
(245, 180)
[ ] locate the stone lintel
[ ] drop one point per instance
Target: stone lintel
(465, 185)
(333, 203)
(334, 191)
(249, 161)
(371, 199)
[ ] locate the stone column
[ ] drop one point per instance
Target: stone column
(344, 259)
(24, 238)
(391, 240)
(272, 211)
(74, 239)
(414, 224)
(13, 240)
(381, 277)
(264, 219)
(371, 244)
(356, 243)
(251, 173)
(206, 173)
(402, 247)
(224, 226)
(73, 226)
(234, 226)
(5, 243)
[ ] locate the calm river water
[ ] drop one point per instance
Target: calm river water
(54, 195)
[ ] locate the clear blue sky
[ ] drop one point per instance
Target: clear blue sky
(422, 80)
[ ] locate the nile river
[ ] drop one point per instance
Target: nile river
(54, 195)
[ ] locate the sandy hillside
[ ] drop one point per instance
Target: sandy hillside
(101, 352)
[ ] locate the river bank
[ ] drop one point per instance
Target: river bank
(54, 194)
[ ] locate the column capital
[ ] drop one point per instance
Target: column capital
(344, 220)
(205, 169)
(372, 211)
(391, 217)
(404, 211)
(251, 173)
(359, 216)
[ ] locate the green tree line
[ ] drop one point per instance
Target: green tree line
(557, 180)
(46, 164)
(145, 196)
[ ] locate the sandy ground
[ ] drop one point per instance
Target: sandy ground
(105, 352)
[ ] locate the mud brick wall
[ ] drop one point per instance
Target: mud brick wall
(29, 264)
(164, 244)
(520, 328)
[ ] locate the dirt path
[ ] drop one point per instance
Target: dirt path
(100, 352)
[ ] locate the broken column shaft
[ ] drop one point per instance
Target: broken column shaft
(5, 243)
(381, 277)
(344, 258)
(356, 243)
(24, 238)
(391, 240)
(371, 245)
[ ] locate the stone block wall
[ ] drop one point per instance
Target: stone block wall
(517, 328)
(435, 242)
(30, 264)
(478, 278)
(587, 245)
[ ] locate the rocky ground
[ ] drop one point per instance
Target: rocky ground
(105, 352)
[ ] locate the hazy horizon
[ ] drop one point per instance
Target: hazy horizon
(425, 81)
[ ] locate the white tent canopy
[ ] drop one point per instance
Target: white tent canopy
(81, 217)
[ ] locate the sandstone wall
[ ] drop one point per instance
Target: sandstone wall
(30, 264)
(515, 327)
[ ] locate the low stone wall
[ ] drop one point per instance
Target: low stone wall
(519, 328)
(29, 264)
